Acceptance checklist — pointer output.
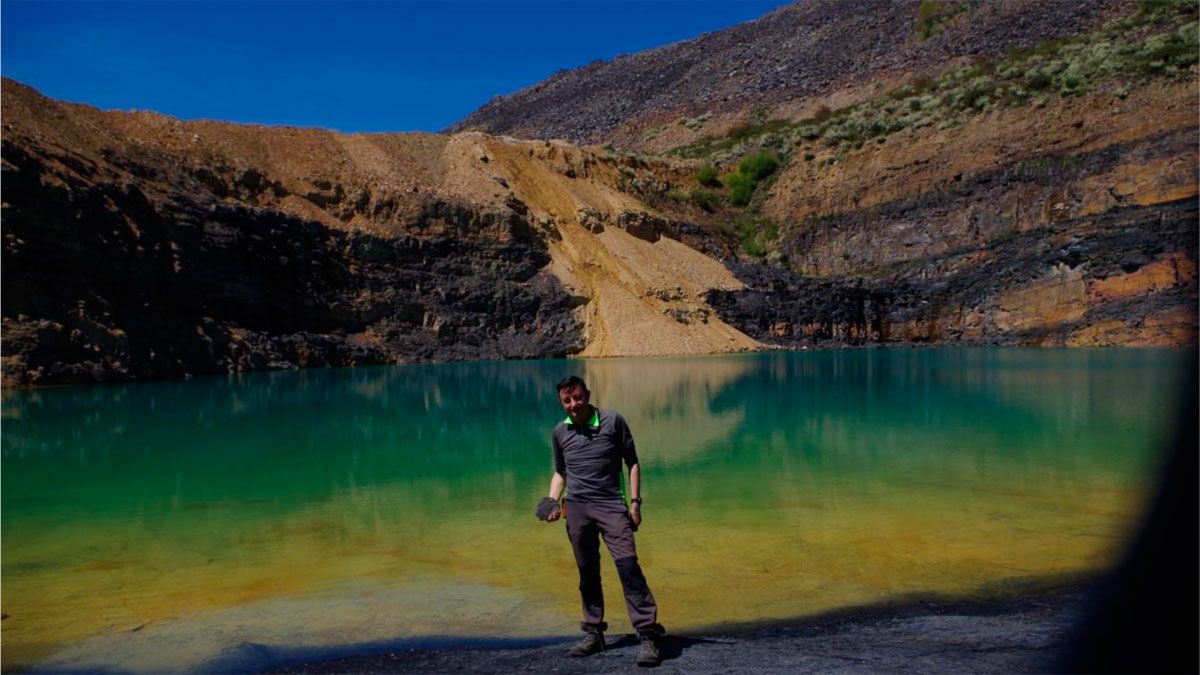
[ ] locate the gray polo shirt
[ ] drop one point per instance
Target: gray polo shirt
(590, 456)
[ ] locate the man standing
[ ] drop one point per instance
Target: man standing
(589, 447)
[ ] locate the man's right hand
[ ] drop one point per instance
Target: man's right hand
(548, 510)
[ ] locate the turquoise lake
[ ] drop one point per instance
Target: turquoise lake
(175, 526)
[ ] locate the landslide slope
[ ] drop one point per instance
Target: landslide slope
(139, 246)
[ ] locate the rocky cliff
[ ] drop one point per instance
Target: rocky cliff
(1040, 193)
(978, 172)
(139, 246)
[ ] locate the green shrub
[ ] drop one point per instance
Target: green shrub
(753, 245)
(808, 157)
(922, 84)
(1037, 80)
(741, 188)
(707, 175)
(693, 123)
(1178, 48)
(809, 132)
(751, 170)
(759, 165)
(1164, 9)
(975, 93)
(755, 234)
(774, 141)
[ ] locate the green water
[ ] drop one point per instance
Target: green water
(160, 526)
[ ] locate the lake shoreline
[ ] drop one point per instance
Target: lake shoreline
(1028, 633)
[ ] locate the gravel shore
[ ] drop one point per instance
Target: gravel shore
(1025, 635)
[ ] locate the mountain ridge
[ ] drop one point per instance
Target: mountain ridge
(782, 58)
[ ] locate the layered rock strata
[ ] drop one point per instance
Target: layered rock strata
(138, 246)
(1072, 226)
(1123, 278)
(105, 281)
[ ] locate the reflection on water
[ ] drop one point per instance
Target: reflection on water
(138, 518)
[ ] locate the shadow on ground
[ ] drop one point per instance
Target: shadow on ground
(1027, 632)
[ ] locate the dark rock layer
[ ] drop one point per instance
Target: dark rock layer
(993, 294)
(140, 270)
(973, 210)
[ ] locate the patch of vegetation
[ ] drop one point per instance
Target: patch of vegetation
(1165, 9)
(751, 170)
(707, 176)
(759, 166)
(651, 132)
(710, 145)
(694, 123)
(741, 188)
(755, 235)
(1161, 40)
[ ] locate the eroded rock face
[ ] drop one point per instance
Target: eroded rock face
(137, 246)
(1127, 277)
(966, 212)
(140, 270)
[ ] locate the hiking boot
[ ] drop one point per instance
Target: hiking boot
(592, 643)
(648, 654)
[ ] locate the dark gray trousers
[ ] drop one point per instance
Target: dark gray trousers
(586, 522)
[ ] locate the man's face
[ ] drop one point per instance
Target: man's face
(574, 400)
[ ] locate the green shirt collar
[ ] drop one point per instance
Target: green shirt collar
(593, 423)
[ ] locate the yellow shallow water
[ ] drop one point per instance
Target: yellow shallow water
(803, 553)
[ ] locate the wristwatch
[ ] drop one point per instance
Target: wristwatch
(636, 500)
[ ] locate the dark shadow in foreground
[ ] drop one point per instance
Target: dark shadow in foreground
(886, 635)
(670, 647)
(1146, 618)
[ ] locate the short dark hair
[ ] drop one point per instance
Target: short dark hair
(571, 381)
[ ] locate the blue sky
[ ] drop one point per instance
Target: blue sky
(352, 66)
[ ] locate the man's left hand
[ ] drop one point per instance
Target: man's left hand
(635, 514)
